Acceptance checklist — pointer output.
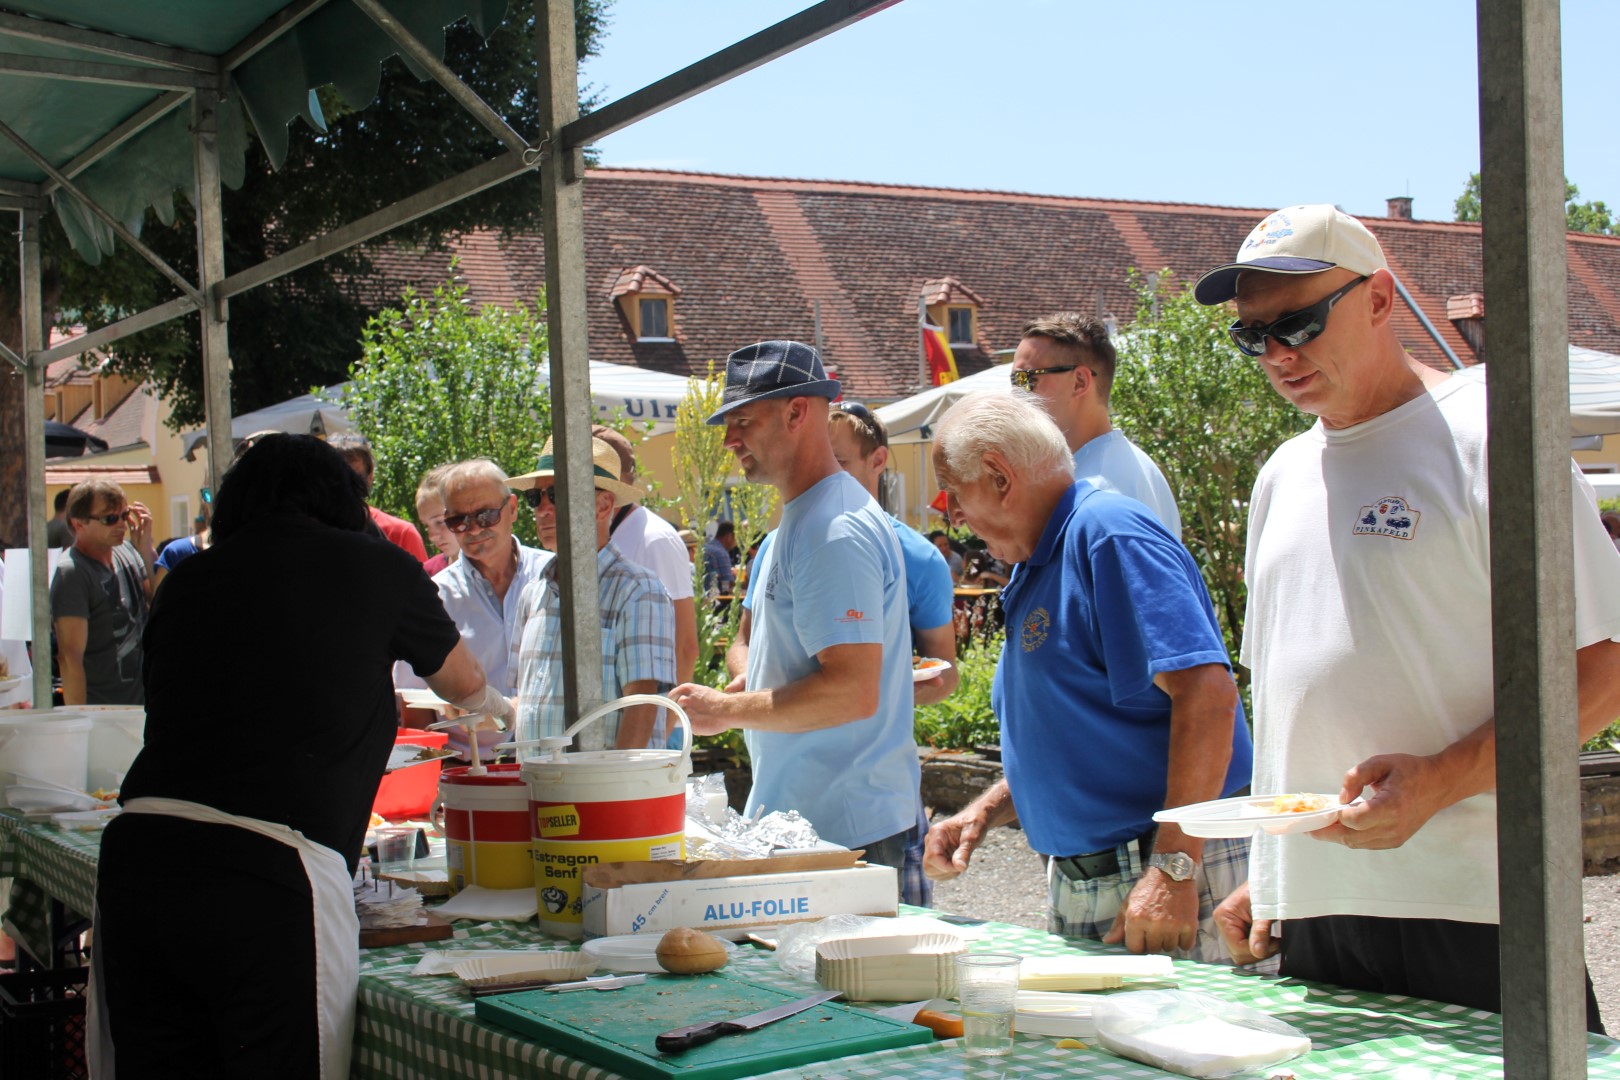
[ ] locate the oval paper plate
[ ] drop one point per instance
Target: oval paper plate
(1230, 818)
(632, 953)
(923, 674)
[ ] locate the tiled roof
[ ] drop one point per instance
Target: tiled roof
(124, 424)
(642, 279)
(118, 474)
(760, 258)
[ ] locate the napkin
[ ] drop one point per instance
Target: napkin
(477, 902)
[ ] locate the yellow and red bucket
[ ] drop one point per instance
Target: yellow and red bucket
(602, 806)
(488, 840)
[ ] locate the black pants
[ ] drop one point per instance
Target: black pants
(207, 946)
(1454, 962)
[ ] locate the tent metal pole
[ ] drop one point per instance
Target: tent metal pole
(34, 29)
(216, 359)
(811, 24)
(91, 71)
(272, 28)
(1532, 591)
(95, 339)
(562, 198)
(33, 336)
(95, 208)
(425, 58)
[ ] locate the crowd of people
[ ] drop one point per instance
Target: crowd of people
(1115, 695)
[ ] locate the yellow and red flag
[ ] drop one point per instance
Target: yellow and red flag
(937, 350)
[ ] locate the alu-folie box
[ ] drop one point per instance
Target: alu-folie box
(732, 896)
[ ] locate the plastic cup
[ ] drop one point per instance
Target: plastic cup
(987, 989)
(396, 848)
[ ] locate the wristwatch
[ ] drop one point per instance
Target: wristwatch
(1177, 865)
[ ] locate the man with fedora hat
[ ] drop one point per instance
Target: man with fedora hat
(822, 676)
(638, 620)
(1369, 540)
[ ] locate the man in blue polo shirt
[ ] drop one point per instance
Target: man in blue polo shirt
(1114, 691)
(822, 679)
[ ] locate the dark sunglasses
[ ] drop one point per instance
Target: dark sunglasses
(866, 418)
(108, 520)
(1025, 380)
(1291, 330)
(478, 519)
(537, 496)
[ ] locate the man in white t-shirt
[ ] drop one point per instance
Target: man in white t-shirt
(648, 540)
(821, 666)
(1369, 544)
(1067, 361)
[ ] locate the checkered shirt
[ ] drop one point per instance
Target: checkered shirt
(638, 643)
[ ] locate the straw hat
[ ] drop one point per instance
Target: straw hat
(605, 464)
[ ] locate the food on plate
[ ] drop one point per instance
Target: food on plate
(924, 663)
(430, 753)
(103, 795)
(684, 951)
(1298, 804)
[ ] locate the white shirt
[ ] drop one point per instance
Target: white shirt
(648, 540)
(1369, 631)
(1114, 463)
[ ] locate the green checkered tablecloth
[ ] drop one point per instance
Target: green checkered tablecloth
(424, 1027)
(45, 863)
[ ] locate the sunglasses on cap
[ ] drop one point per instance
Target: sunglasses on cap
(1291, 330)
(478, 519)
(865, 417)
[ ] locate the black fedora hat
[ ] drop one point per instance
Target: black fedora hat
(773, 369)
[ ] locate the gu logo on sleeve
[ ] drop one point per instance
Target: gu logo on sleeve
(1036, 626)
(1390, 516)
(851, 615)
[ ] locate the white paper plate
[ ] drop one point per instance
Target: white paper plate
(406, 754)
(1228, 818)
(632, 954)
(924, 674)
(536, 967)
(27, 797)
(9, 682)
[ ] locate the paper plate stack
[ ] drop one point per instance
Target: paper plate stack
(532, 967)
(897, 968)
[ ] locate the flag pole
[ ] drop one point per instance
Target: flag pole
(923, 381)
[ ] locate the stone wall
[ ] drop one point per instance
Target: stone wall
(1600, 824)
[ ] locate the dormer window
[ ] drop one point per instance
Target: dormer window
(646, 300)
(954, 308)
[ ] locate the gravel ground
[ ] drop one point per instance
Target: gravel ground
(1006, 883)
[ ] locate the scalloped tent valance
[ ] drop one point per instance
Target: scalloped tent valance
(62, 118)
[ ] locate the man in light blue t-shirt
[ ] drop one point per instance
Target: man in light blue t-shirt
(1067, 362)
(822, 663)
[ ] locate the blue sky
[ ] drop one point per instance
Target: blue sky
(1247, 103)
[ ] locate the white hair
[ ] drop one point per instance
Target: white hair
(1012, 424)
(464, 473)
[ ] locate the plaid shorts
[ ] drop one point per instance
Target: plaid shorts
(1086, 909)
(904, 852)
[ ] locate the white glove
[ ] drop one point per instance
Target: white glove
(491, 704)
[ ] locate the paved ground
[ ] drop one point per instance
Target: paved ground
(1006, 883)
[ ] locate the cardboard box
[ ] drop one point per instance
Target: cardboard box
(733, 897)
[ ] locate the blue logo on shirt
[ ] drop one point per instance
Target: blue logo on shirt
(1036, 627)
(1391, 516)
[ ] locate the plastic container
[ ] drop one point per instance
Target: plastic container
(602, 806)
(45, 744)
(409, 792)
(117, 734)
(42, 1024)
(488, 841)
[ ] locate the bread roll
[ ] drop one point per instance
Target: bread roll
(684, 951)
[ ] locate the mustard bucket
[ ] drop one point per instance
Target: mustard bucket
(600, 806)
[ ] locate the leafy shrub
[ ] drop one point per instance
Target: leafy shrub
(965, 720)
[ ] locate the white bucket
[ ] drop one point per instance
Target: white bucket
(603, 806)
(117, 734)
(45, 744)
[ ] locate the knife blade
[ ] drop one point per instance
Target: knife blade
(685, 1038)
(600, 982)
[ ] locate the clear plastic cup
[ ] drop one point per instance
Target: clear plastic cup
(396, 848)
(987, 989)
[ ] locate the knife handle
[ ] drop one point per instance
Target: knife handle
(673, 1042)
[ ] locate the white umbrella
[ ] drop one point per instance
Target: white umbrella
(1594, 390)
(910, 420)
(311, 414)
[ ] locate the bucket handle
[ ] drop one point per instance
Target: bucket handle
(614, 706)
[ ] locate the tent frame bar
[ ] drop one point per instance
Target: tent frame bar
(90, 71)
(16, 361)
(95, 339)
(129, 48)
(275, 26)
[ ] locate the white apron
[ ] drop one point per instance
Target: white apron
(337, 939)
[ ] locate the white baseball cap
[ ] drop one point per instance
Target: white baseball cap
(1296, 240)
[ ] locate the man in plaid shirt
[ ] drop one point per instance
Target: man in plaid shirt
(638, 618)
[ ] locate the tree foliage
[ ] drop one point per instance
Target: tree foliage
(1207, 414)
(1586, 217)
(441, 381)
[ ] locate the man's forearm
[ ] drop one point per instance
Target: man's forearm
(737, 658)
(995, 806)
(636, 725)
(686, 641)
(73, 684)
(1203, 703)
(819, 700)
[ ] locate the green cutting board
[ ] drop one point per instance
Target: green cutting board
(616, 1028)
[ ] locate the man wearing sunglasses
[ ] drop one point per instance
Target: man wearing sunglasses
(638, 617)
(480, 589)
(100, 596)
(1067, 361)
(1369, 541)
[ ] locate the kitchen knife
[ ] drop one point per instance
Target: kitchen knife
(673, 1042)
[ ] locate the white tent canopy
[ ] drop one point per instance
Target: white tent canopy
(640, 395)
(1594, 390)
(909, 420)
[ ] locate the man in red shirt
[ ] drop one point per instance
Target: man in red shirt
(356, 450)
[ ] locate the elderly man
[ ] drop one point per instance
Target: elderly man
(822, 673)
(648, 540)
(638, 619)
(1114, 691)
(100, 596)
(356, 451)
(1067, 361)
(481, 589)
(1369, 541)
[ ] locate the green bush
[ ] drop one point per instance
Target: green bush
(965, 720)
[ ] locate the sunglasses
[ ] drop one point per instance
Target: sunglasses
(478, 519)
(108, 520)
(865, 417)
(536, 497)
(1293, 329)
(1025, 380)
